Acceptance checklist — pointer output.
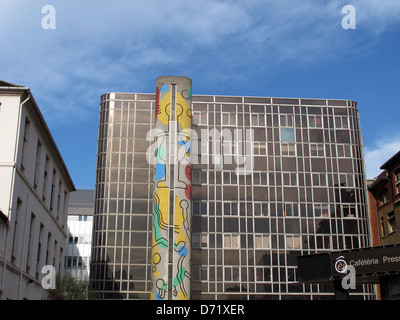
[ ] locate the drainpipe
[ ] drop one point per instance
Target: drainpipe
(23, 246)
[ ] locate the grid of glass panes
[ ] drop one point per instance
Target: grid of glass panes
(248, 230)
(122, 237)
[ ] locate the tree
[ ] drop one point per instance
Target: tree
(68, 288)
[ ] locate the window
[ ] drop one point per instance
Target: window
(319, 179)
(289, 178)
(262, 241)
(291, 209)
(199, 118)
(228, 119)
(288, 149)
(382, 225)
(260, 208)
(349, 210)
(291, 274)
(230, 208)
(317, 150)
(257, 120)
(199, 208)
(343, 151)
(229, 150)
(37, 164)
(341, 122)
(199, 177)
(59, 197)
(346, 180)
(288, 135)
(53, 186)
(259, 148)
(323, 242)
(397, 180)
(199, 273)
(383, 197)
(231, 241)
(229, 177)
(260, 178)
(321, 210)
(391, 222)
(286, 120)
(314, 121)
(72, 239)
(263, 274)
(200, 240)
(231, 273)
(293, 241)
(24, 142)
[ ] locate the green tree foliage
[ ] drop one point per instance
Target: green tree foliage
(68, 288)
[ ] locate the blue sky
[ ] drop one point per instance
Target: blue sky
(280, 48)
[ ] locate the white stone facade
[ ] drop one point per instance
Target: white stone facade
(34, 192)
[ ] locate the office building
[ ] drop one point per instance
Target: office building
(384, 192)
(79, 237)
(34, 191)
(271, 179)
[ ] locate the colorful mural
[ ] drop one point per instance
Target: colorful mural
(174, 118)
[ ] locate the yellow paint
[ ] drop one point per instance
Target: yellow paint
(165, 109)
(179, 220)
(162, 195)
(183, 109)
(182, 296)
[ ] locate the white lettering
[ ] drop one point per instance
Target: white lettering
(390, 259)
(49, 280)
(173, 310)
(349, 20)
(349, 280)
(49, 20)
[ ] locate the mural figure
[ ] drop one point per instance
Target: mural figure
(172, 190)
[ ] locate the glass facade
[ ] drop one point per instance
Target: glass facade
(273, 179)
(120, 266)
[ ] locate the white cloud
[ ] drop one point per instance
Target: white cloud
(113, 45)
(378, 154)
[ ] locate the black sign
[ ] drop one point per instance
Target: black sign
(366, 261)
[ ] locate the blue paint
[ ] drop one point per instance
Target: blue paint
(182, 251)
(160, 171)
(164, 88)
(157, 296)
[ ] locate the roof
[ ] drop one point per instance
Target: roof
(8, 84)
(4, 86)
(81, 197)
(379, 181)
(81, 202)
(388, 164)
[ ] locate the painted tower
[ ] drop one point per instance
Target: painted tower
(171, 237)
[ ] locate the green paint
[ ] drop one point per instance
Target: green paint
(179, 276)
(161, 241)
(161, 154)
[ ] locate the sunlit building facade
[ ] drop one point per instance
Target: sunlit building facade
(272, 179)
(79, 236)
